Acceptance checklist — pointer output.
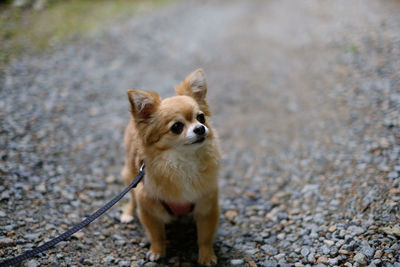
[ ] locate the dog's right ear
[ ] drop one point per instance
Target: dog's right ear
(143, 104)
(195, 86)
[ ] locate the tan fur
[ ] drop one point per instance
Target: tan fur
(175, 172)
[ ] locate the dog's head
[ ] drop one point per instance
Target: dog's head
(175, 122)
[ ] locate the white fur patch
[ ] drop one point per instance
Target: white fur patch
(152, 256)
(126, 218)
(191, 136)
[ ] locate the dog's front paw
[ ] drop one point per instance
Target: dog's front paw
(153, 256)
(126, 218)
(207, 259)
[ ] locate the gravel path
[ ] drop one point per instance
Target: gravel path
(306, 99)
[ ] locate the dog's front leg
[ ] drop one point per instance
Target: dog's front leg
(156, 230)
(206, 216)
(128, 174)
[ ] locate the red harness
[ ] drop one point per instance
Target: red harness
(178, 209)
(174, 208)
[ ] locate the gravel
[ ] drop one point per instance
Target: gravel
(32, 263)
(237, 262)
(306, 100)
(360, 258)
(6, 242)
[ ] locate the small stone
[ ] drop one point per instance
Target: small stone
(340, 243)
(93, 111)
(334, 251)
(342, 233)
(250, 194)
(304, 252)
(332, 228)
(384, 143)
(124, 263)
(279, 256)
(394, 191)
(269, 250)
(32, 263)
(384, 168)
(111, 179)
(378, 254)
(323, 259)
(120, 242)
(230, 215)
(5, 195)
(310, 188)
(251, 251)
(333, 261)
(311, 258)
(395, 230)
(87, 262)
(270, 263)
(109, 259)
(117, 237)
(78, 235)
(6, 242)
(2, 214)
(361, 166)
(368, 251)
(360, 258)
(356, 230)
(329, 243)
(313, 235)
(393, 175)
(237, 262)
(151, 264)
(281, 236)
(395, 247)
(377, 261)
(41, 188)
(9, 228)
(55, 263)
(324, 250)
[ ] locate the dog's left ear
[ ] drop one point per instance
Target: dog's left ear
(143, 104)
(195, 86)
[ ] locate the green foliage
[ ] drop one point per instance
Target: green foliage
(28, 30)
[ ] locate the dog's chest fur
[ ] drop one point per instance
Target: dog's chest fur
(179, 176)
(185, 164)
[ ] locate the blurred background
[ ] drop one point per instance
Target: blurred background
(305, 96)
(38, 25)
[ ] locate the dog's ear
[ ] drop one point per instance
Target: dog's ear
(195, 86)
(143, 104)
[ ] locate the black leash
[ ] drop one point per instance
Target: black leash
(76, 228)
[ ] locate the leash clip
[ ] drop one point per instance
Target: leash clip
(141, 169)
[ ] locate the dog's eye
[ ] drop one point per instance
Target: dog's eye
(201, 118)
(177, 127)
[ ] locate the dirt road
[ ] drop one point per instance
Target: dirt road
(306, 100)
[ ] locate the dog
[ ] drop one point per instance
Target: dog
(175, 140)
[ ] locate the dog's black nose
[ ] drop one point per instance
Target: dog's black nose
(199, 130)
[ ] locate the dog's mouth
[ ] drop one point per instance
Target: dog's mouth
(198, 141)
